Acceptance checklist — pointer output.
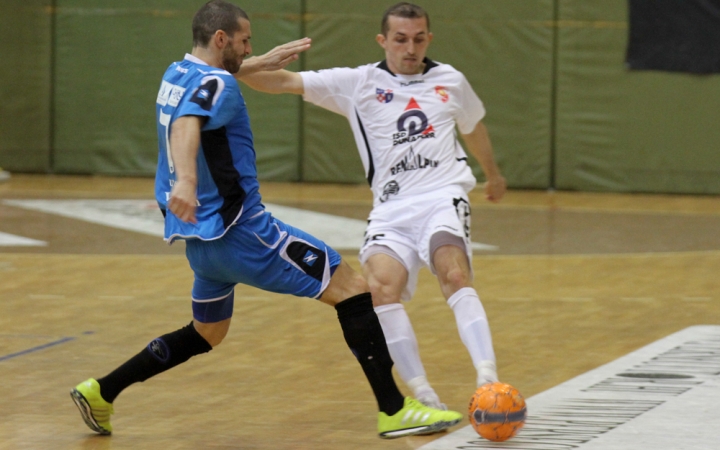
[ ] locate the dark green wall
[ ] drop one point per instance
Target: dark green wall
(620, 130)
(80, 77)
(25, 73)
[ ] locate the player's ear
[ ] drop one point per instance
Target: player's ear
(220, 38)
(381, 39)
(430, 37)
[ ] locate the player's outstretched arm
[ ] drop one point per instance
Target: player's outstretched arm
(266, 72)
(478, 144)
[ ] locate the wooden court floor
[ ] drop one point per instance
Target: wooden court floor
(577, 280)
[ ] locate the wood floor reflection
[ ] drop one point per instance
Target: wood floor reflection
(578, 280)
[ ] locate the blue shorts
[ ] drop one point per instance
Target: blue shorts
(262, 252)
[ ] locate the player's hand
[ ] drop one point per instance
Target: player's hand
(183, 200)
(495, 188)
(282, 55)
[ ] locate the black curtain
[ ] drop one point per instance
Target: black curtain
(674, 35)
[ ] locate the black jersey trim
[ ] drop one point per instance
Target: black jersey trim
(383, 65)
(429, 64)
(371, 165)
(205, 94)
(218, 156)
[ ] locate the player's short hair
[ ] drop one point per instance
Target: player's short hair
(406, 10)
(215, 15)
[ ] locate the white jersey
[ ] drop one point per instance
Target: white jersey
(404, 125)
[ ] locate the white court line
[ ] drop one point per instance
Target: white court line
(11, 240)
(665, 395)
(143, 216)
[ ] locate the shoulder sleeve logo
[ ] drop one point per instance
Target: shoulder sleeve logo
(209, 91)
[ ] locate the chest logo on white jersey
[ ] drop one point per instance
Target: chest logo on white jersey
(412, 125)
(411, 161)
(384, 95)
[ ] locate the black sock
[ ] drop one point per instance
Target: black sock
(161, 354)
(366, 340)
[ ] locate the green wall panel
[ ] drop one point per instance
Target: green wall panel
(629, 131)
(25, 74)
(110, 60)
(504, 48)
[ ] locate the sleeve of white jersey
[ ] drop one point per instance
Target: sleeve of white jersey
(470, 109)
(331, 89)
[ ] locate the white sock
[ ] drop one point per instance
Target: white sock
(403, 347)
(474, 331)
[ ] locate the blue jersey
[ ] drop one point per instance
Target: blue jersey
(227, 189)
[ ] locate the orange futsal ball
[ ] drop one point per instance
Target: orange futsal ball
(497, 411)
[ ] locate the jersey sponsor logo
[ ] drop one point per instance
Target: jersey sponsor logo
(411, 161)
(164, 93)
(442, 93)
(413, 125)
(383, 95)
(410, 83)
(170, 94)
(391, 188)
(176, 95)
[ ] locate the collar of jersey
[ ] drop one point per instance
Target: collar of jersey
(429, 64)
(195, 59)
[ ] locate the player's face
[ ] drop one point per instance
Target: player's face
(405, 45)
(238, 47)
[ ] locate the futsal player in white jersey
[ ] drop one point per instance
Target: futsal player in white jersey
(404, 112)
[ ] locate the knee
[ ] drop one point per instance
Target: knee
(383, 293)
(213, 333)
(455, 279)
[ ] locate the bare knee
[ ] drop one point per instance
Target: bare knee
(383, 293)
(456, 278)
(214, 332)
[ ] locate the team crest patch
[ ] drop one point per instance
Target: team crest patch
(383, 95)
(442, 93)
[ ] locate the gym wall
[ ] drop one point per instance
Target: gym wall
(81, 77)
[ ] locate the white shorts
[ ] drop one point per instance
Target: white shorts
(406, 227)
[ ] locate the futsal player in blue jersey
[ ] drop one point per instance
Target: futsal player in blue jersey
(207, 188)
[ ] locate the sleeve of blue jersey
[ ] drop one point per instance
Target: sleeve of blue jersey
(216, 98)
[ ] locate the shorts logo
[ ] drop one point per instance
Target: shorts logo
(443, 93)
(411, 161)
(462, 207)
(391, 188)
(413, 125)
(384, 96)
(307, 258)
(310, 258)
